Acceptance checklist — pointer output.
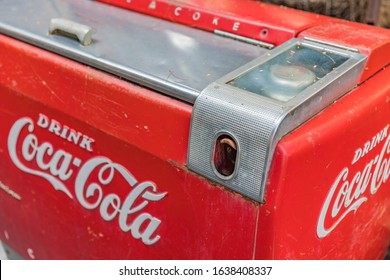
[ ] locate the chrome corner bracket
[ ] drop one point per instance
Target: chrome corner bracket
(238, 120)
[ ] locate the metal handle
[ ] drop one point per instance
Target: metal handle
(83, 33)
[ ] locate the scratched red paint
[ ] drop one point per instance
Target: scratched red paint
(141, 137)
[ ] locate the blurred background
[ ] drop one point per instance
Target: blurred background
(375, 12)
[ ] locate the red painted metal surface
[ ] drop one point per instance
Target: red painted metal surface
(328, 194)
(198, 219)
(338, 163)
(247, 18)
(370, 40)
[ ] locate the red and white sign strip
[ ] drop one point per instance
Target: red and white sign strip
(211, 18)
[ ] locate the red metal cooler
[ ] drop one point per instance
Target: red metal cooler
(191, 130)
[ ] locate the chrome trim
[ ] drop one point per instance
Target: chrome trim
(244, 39)
(331, 44)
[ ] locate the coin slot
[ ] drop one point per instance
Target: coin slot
(225, 156)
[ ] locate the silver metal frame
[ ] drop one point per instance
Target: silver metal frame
(259, 122)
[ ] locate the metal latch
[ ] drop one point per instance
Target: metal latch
(238, 120)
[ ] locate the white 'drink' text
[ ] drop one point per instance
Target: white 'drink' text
(96, 174)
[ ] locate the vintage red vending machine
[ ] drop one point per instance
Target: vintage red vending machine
(191, 129)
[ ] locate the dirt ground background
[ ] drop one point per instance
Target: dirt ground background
(376, 12)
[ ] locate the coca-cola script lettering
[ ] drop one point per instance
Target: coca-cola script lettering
(90, 177)
(351, 189)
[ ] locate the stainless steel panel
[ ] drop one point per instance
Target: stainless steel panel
(171, 58)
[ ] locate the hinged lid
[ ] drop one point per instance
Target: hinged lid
(171, 58)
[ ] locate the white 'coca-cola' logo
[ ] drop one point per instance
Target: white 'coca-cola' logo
(58, 166)
(350, 190)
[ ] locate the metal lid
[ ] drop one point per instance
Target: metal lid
(173, 59)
